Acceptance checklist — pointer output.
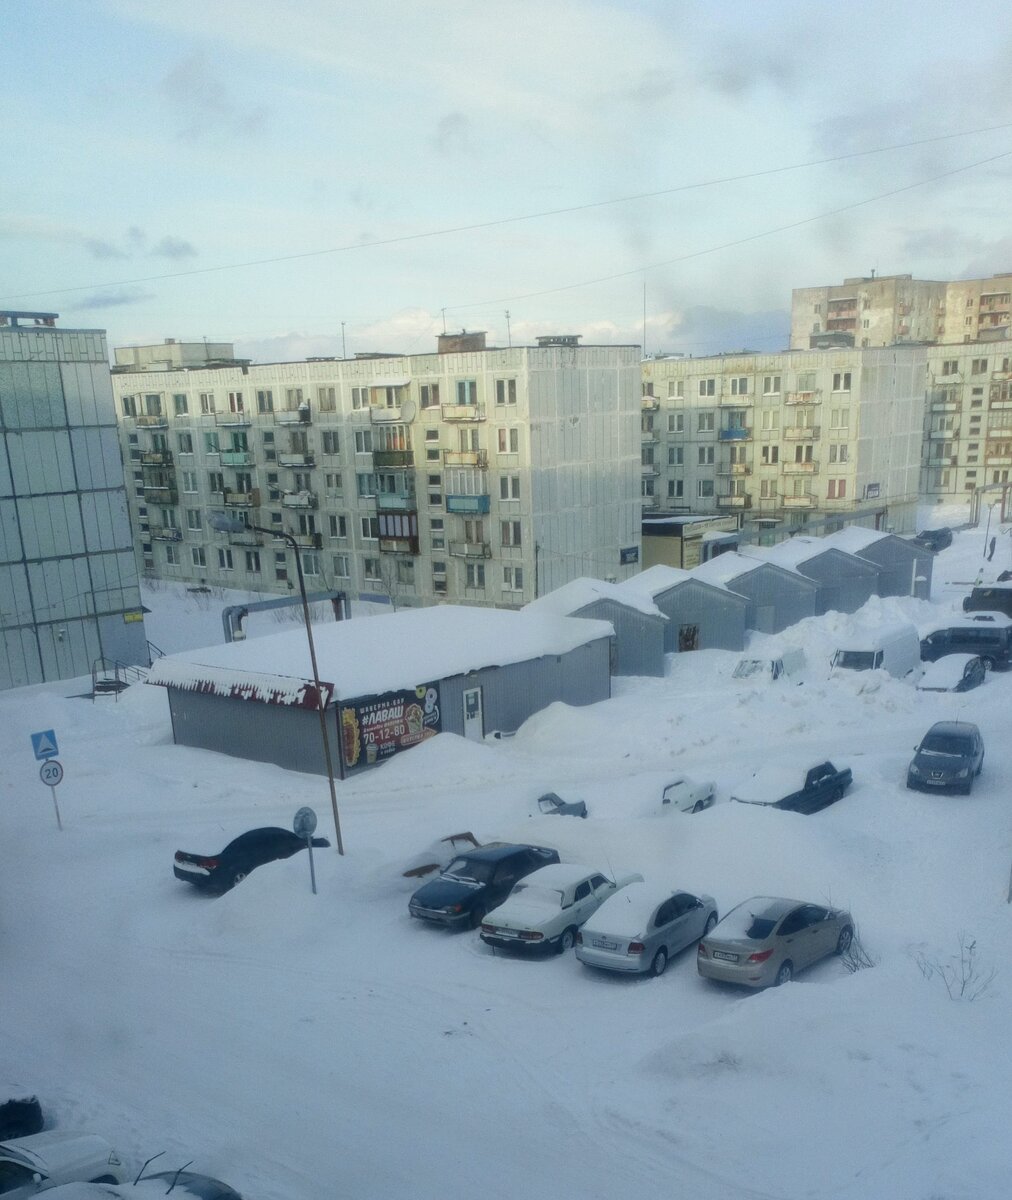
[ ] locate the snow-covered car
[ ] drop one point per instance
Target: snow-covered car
(185, 1185)
(953, 673)
(548, 907)
(553, 804)
(20, 1116)
(686, 794)
(217, 873)
(798, 789)
(643, 926)
(40, 1162)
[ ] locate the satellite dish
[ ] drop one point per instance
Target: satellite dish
(408, 410)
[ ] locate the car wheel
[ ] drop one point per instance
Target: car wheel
(567, 940)
(657, 967)
(785, 974)
(988, 663)
(698, 806)
(967, 787)
(711, 920)
(477, 916)
(844, 940)
(238, 877)
(981, 767)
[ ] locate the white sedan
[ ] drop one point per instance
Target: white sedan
(34, 1164)
(685, 794)
(547, 908)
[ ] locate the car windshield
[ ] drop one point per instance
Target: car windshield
(539, 894)
(855, 660)
(469, 870)
(957, 745)
(549, 804)
(741, 923)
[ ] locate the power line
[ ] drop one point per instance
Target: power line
(499, 221)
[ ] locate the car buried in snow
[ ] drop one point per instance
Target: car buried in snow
(642, 927)
(552, 804)
(686, 794)
(797, 789)
(43, 1161)
(546, 910)
(217, 873)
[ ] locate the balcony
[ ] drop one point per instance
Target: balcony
(462, 412)
(161, 494)
(248, 499)
(296, 460)
(465, 458)
(801, 468)
(649, 437)
(246, 537)
(153, 421)
(236, 458)
(165, 533)
(998, 460)
(734, 435)
(802, 433)
(734, 501)
(156, 458)
(650, 404)
(406, 502)
(301, 499)
(797, 501)
(734, 401)
(399, 545)
(649, 469)
(386, 414)
(293, 416)
(812, 397)
(651, 501)
(230, 418)
(468, 505)
(943, 434)
(308, 541)
(734, 469)
(393, 458)
(470, 550)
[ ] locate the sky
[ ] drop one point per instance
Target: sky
(330, 178)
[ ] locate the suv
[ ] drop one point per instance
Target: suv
(934, 539)
(950, 755)
(992, 597)
(991, 641)
(475, 882)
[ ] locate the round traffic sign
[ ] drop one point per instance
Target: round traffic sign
(304, 823)
(51, 772)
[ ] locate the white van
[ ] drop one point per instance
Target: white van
(895, 648)
(788, 664)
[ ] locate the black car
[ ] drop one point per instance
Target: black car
(476, 882)
(218, 872)
(950, 755)
(20, 1117)
(991, 640)
(795, 788)
(990, 597)
(553, 804)
(935, 539)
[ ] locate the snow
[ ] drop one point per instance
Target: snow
(626, 913)
(302, 1046)
(579, 593)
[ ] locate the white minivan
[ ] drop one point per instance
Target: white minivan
(893, 648)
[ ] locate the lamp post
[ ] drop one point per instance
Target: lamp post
(226, 524)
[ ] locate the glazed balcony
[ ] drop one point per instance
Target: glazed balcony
(470, 550)
(405, 502)
(398, 545)
(296, 460)
(650, 404)
(386, 414)
(308, 541)
(293, 416)
(236, 458)
(468, 505)
(302, 499)
(382, 459)
(163, 494)
(734, 435)
(734, 501)
(247, 499)
(152, 421)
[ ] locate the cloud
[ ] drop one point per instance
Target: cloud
(110, 298)
(174, 247)
(453, 135)
(195, 90)
(704, 330)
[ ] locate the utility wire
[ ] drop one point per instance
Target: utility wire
(491, 224)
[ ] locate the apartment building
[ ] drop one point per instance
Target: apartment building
(891, 309)
(476, 475)
(69, 593)
(799, 439)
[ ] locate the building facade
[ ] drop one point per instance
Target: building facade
(479, 475)
(69, 594)
(801, 439)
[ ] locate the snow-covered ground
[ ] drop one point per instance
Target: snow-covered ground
(305, 1046)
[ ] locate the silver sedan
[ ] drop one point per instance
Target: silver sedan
(765, 942)
(641, 927)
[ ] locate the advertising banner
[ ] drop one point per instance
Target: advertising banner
(374, 727)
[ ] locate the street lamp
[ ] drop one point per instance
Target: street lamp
(227, 524)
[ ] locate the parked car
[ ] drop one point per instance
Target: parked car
(766, 941)
(476, 881)
(895, 649)
(788, 664)
(642, 927)
(685, 794)
(20, 1116)
(991, 639)
(950, 755)
(218, 873)
(42, 1161)
(991, 597)
(953, 673)
(798, 789)
(548, 907)
(552, 804)
(181, 1184)
(934, 539)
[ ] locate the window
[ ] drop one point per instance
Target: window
(978, 366)
(432, 454)
(676, 422)
(207, 402)
(505, 391)
(675, 489)
(372, 570)
(676, 389)
(739, 385)
(770, 455)
(675, 456)
(841, 381)
(513, 579)
(510, 531)
(839, 452)
(331, 442)
(950, 366)
(467, 391)
(326, 397)
(509, 441)
(767, 489)
(509, 487)
(153, 405)
(172, 555)
(216, 481)
(647, 456)
(265, 401)
(435, 499)
(705, 456)
(647, 389)
(197, 556)
(837, 489)
(338, 524)
(363, 441)
(839, 418)
(704, 488)
(647, 487)
(193, 519)
(406, 572)
(211, 444)
(342, 566)
(310, 563)
(185, 443)
(370, 528)
(235, 404)
(475, 575)
(429, 393)
(190, 481)
(432, 435)
(771, 385)
(707, 387)
(806, 381)
(704, 422)
(366, 485)
(253, 562)
(180, 405)
(225, 558)
(129, 406)
(293, 398)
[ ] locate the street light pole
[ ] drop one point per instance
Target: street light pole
(226, 524)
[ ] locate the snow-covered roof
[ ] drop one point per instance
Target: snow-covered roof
(730, 566)
(661, 578)
(855, 538)
(626, 913)
(578, 593)
(372, 655)
(794, 551)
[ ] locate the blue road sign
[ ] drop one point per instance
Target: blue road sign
(44, 744)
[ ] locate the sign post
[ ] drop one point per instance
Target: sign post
(45, 750)
(304, 826)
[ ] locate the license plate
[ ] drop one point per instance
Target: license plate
(937, 782)
(724, 956)
(602, 944)
(505, 933)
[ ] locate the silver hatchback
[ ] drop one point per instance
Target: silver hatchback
(643, 926)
